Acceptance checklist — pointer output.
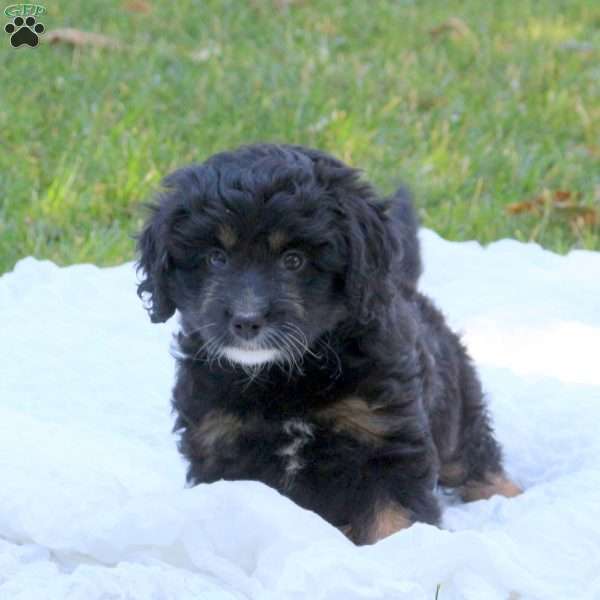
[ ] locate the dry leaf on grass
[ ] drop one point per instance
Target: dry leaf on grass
(565, 199)
(558, 199)
(454, 26)
(563, 203)
(76, 37)
(527, 206)
(138, 6)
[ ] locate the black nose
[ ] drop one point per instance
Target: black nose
(247, 325)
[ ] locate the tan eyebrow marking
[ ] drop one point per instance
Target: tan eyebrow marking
(352, 415)
(227, 236)
(216, 429)
(277, 240)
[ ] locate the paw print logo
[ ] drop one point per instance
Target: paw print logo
(24, 31)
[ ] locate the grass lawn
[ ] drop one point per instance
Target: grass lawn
(474, 104)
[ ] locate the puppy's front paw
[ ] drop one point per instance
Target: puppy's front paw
(386, 521)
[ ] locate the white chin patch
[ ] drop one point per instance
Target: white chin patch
(250, 358)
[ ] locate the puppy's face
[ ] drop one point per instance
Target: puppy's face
(256, 291)
(262, 251)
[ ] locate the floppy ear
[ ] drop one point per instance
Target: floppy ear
(154, 263)
(371, 247)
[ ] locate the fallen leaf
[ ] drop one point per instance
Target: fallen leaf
(76, 37)
(560, 199)
(565, 199)
(453, 25)
(562, 195)
(563, 204)
(527, 206)
(138, 6)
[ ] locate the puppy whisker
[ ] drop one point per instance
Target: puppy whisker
(212, 349)
(291, 349)
(199, 329)
(330, 350)
(278, 340)
(297, 334)
(202, 347)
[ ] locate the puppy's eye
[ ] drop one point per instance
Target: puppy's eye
(217, 258)
(292, 260)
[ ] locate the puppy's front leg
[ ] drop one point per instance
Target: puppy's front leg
(397, 469)
(388, 501)
(387, 518)
(395, 483)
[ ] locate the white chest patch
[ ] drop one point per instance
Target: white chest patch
(300, 434)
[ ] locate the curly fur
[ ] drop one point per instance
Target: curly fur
(361, 400)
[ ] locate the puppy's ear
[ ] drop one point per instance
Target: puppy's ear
(371, 248)
(154, 264)
(404, 225)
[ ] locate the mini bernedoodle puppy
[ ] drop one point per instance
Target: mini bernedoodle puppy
(307, 358)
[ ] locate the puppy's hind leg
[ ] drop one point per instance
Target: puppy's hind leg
(477, 472)
(476, 469)
(494, 484)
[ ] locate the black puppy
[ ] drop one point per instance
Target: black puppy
(308, 359)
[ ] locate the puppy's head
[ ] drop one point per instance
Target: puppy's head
(264, 249)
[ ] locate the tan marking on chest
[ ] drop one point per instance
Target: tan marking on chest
(215, 429)
(227, 236)
(494, 485)
(355, 417)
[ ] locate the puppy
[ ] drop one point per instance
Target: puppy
(308, 359)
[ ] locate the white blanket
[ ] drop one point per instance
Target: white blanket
(92, 497)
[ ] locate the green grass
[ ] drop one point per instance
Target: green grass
(471, 121)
